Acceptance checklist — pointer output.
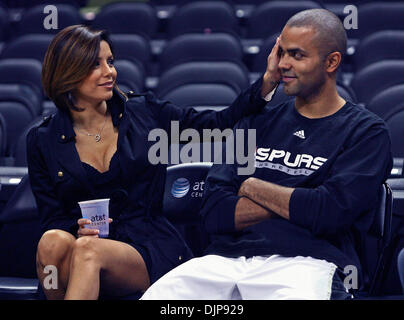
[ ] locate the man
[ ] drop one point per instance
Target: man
(288, 231)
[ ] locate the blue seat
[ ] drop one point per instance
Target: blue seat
(182, 200)
(3, 136)
(31, 46)
(400, 266)
(19, 105)
(134, 48)
(193, 47)
(129, 76)
(372, 253)
(377, 77)
(19, 152)
(270, 17)
(4, 24)
(32, 20)
(17, 117)
(129, 18)
(376, 16)
(387, 102)
(379, 46)
(203, 83)
(17, 253)
(395, 123)
(25, 72)
(259, 62)
(33, 3)
(22, 94)
(203, 17)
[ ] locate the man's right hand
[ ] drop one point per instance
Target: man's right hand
(272, 75)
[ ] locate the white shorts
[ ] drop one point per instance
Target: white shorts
(273, 277)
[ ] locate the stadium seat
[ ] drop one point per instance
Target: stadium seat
(129, 18)
(134, 48)
(19, 236)
(259, 62)
(270, 17)
(376, 16)
(4, 24)
(129, 76)
(372, 258)
(22, 94)
(3, 136)
(33, 3)
(31, 46)
(183, 191)
(25, 72)
(377, 77)
(32, 20)
(400, 266)
(395, 123)
(205, 79)
(19, 106)
(193, 47)
(379, 46)
(17, 116)
(202, 96)
(203, 17)
(19, 151)
(386, 102)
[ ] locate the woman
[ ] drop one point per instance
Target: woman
(95, 147)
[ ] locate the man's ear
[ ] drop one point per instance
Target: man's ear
(332, 62)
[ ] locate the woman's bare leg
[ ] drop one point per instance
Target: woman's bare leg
(119, 266)
(54, 249)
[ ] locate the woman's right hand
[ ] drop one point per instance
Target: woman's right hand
(83, 231)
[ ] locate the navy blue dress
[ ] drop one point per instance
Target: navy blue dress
(108, 184)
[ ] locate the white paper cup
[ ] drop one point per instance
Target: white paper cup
(97, 212)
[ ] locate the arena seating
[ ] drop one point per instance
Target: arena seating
(203, 16)
(128, 18)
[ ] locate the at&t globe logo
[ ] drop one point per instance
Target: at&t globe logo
(180, 187)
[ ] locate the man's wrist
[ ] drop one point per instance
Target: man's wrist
(268, 87)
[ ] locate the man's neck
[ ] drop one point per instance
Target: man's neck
(323, 104)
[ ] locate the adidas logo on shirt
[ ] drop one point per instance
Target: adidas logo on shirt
(300, 134)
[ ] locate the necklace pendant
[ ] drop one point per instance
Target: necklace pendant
(97, 138)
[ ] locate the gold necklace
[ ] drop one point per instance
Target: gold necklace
(97, 137)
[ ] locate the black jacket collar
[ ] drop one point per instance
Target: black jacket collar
(64, 124)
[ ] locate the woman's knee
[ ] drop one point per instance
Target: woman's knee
(86, 250)
(53, 246)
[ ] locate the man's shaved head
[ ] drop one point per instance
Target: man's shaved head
(330, 33)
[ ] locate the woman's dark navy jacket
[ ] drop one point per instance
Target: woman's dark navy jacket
(59, 180)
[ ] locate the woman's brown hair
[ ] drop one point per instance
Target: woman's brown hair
(69, 59)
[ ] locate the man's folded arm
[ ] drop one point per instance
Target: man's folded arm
(223, 210)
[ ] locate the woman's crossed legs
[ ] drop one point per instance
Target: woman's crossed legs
(88, 265)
